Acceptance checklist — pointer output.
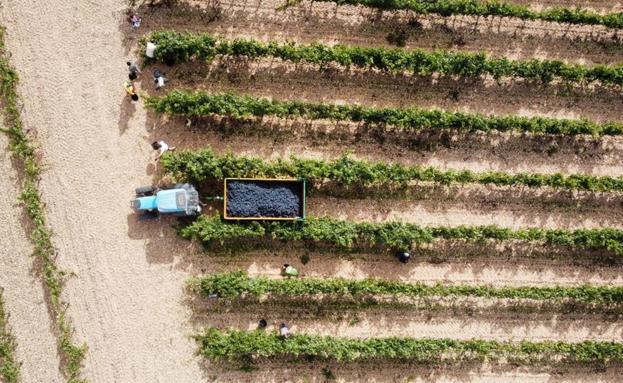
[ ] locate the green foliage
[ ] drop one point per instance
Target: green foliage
(236, 284)
(490, 8)
(412, 119)
(235, 345)
(41, 235)
(346, 235)
(203, 165)
(173, 47)
(9, 368)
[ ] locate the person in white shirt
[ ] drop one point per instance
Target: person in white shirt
(161, 147)
(159, 79)
(284, 331)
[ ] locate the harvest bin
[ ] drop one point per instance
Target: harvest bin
(264, 199)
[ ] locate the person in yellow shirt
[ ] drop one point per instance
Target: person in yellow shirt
(130, 90)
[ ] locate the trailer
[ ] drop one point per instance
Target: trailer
(264, 199)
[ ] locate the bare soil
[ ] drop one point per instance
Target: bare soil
(444, 212)
(460, 266)
(273, 78)
(598, 5)
(387, 323)
(376, 372)
(273, 138)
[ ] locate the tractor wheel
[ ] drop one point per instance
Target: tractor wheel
(145, 190)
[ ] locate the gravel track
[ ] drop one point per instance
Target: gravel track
(24, 298)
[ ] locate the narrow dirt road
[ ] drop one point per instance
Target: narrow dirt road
(367, 324)
(129, 309)
(23, 293)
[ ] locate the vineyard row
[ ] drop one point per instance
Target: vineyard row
(173, 47)
(204, 165)
(200, 104)
(487, 8)
(235, 345)
(347, 235)
(9, 368)
(238, 284)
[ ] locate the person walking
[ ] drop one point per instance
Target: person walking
(130, 90)
(162, 148)
(133, 69)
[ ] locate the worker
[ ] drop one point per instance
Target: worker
(134, 70)
(162, 148)
(289, 271)
(403, 256)
(159, 80)
(131, 90)
(136, 21)
(284, 331)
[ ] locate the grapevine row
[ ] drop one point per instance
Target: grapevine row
(236, 345)
(9, 368)
(487, 8)
(173, 47)
(238, 284)
(200, 104)
(347, 235)
(199, 166)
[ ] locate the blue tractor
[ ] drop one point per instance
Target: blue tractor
(181, 200)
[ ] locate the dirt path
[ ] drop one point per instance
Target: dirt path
(266, 78)
(455, 213)
(72, 65)
(385, 323)
(599, 5)
(23, 291)
(392, 373)
(358, 26)
(273, 138)
(456, 269)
